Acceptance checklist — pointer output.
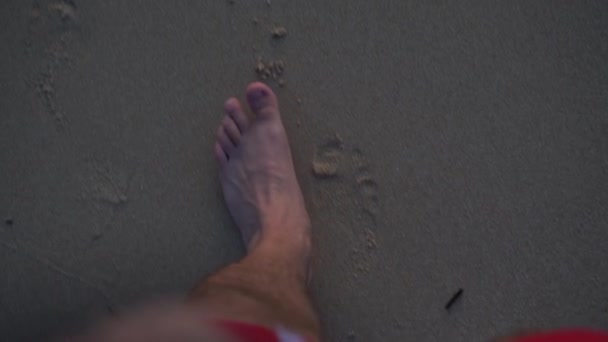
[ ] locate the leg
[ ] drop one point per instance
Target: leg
(268, 286)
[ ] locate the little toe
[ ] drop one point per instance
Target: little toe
(262, 100)
(235, 111)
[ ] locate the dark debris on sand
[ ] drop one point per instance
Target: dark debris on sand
(454, 298)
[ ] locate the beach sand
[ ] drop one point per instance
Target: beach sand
(440, 146)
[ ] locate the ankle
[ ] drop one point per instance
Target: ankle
(294, 253)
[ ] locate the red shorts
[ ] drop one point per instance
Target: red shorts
(574, 335)
(248, 332)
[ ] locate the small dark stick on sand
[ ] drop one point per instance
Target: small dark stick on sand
(454, 298)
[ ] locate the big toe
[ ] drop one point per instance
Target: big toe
(262, 100)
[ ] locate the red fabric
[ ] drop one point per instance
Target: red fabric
(566, 336)
(247, 332)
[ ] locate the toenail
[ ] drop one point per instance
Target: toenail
(260, 93)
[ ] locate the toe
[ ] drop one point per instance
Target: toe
(235, 111)
(220, 155)
(223, 140)
(262, 100)
(232, 130)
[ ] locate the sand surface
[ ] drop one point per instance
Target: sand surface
(440, 145)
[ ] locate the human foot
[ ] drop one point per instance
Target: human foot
(258, 177)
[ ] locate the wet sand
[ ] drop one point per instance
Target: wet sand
(440, 146)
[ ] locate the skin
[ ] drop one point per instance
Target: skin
(269, 285)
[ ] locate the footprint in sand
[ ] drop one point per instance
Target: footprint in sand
(50, 28)
(104, 189)
(349, 193)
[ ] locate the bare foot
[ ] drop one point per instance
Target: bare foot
(258, 177)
